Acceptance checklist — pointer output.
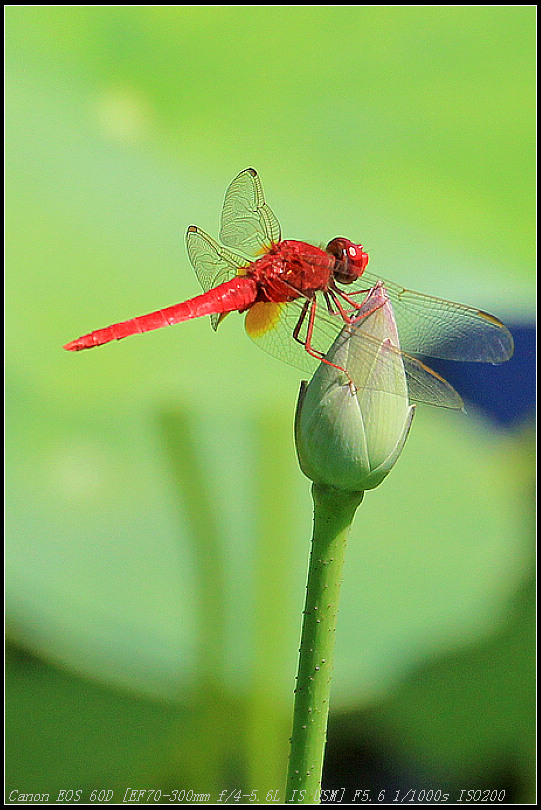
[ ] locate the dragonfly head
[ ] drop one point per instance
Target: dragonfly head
(350, 260)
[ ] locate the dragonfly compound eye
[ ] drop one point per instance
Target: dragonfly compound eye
(350, 259)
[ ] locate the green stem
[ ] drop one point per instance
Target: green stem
(333, 514)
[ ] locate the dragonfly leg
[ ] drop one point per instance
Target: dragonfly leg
(300, 322)
(308, 340)
(329, 302)
(349, 298)
(353, 318)
(345, 313)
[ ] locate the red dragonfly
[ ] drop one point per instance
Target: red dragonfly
(298, 298)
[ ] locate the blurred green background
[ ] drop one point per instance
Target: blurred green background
(157, 524)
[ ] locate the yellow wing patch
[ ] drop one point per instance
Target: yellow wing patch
(262, 317)
(265, 248)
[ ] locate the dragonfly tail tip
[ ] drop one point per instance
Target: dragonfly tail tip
(74, 346)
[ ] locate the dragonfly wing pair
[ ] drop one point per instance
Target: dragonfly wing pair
(247, 224)
(434, 327)
(272, 331)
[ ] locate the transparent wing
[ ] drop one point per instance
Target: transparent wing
(437, 328)
(212, 263)
(248, 223)
(271, 326)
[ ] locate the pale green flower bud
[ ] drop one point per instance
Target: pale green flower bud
(350, 432)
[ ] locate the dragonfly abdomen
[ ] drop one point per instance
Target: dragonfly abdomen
(237, 294)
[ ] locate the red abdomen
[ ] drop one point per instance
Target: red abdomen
(238, 293)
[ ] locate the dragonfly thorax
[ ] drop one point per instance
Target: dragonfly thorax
(291, 269)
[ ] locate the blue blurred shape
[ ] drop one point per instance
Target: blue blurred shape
(506, 393)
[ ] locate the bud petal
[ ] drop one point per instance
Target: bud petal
(350, 436)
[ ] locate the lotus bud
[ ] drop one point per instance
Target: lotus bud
(351, 427)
